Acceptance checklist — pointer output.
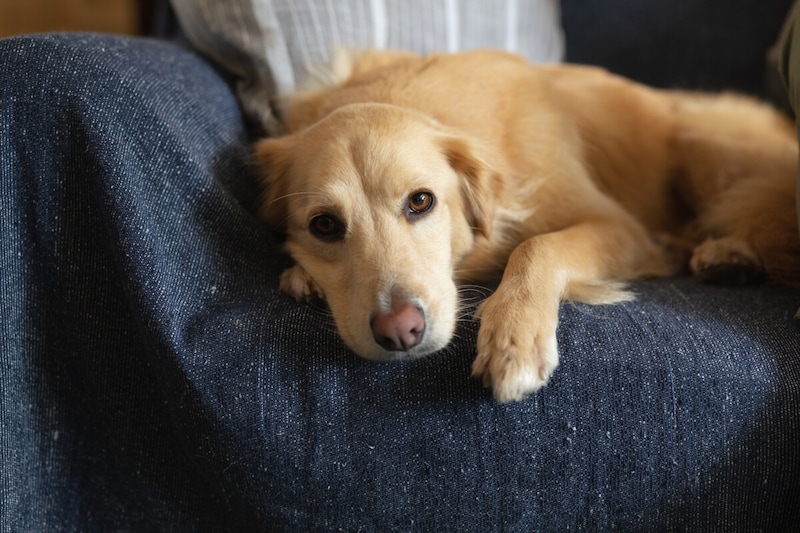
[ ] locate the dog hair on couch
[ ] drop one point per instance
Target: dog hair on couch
(414, 174)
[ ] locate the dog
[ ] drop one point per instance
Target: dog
(412, 175)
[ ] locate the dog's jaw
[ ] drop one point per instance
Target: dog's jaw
(439, 317)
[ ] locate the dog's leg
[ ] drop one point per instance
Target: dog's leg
(740, 161)
(728, 260)
(754, 233)
(517, 349)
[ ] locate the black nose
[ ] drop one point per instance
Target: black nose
(400, 330)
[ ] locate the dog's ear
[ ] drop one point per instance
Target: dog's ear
(475, 183)
(274, 159)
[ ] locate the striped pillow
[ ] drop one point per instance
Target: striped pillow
(272, 45)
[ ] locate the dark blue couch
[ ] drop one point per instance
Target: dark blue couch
(152, 377)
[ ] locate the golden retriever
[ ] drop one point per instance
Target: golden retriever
(414, 174)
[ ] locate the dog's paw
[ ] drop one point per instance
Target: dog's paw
(727, 260)
(296, 282)
(517, 351)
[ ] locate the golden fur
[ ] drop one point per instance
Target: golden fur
(416, 173)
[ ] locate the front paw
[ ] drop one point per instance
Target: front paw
(517, 349)
(296, 282)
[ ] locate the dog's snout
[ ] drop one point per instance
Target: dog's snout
(399, 330)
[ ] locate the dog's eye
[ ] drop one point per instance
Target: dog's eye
(327, 228)
(420, 202)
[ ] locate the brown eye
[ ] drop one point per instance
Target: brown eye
(420, 202)
(327, 227)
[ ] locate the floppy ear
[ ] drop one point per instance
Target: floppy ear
(475, 184)
(274, 159)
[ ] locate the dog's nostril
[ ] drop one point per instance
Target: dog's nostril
(400, 330)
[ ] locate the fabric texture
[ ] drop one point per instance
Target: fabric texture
(272, 46)
(152, 377)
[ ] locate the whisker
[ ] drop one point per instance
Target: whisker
(302, 193)
(293, 194)
(474, 296)
(488, 272)
(471, 295)
(322, 312)
(287, 217)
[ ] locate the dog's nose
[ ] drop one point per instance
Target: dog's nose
(400, 330)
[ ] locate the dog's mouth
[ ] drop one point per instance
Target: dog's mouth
(400, 357)
(381, 355)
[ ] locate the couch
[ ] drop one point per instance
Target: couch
(153, 377)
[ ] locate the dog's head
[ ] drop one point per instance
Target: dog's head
(378, 205)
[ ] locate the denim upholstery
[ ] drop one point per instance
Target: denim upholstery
(152, 378)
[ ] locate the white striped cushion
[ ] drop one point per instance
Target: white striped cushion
(273, 45)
